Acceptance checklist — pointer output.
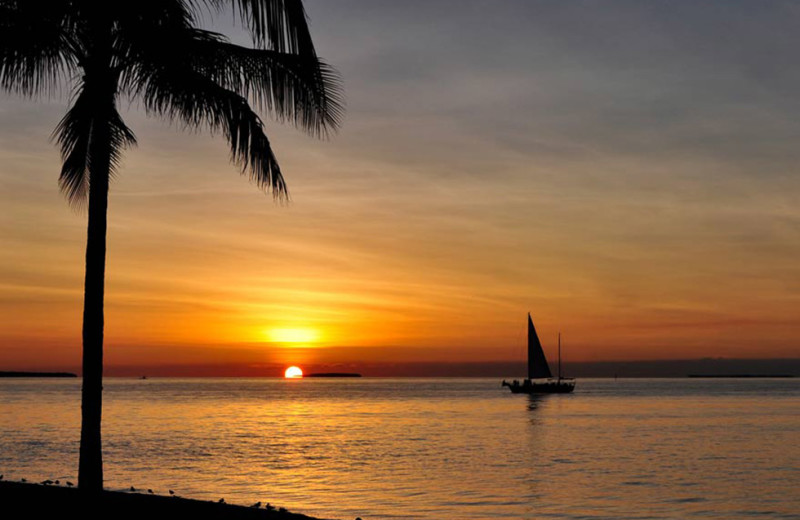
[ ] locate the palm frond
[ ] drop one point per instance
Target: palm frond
(75, 135)
(196, 101)
(36, 47)
(150, 21)
(280, 25)
(120, 136)
(301, 89)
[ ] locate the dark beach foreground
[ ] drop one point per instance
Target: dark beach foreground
(36, 501)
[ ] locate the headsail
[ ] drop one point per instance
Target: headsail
(537, 363)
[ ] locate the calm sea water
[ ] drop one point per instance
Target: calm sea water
(426, 448)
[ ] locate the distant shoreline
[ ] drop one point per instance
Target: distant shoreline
(333, 374)
(37, 374)
(678, 368)
(496, 369)
(737, 376)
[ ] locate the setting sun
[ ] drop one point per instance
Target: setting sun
(293, 373)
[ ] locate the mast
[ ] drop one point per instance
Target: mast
(559, 356)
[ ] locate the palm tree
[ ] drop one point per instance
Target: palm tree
(154, 53)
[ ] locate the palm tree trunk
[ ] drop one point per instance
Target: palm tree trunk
(90, 466)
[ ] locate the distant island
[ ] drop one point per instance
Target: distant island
(736, 376)
(37, 374)
(333, 374)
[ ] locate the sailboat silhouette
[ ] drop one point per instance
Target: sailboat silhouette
(540, 380)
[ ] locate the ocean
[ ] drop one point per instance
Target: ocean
(429, 448)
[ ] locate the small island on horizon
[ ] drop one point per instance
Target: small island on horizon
(739, 376)
(36, 374)
(333, 374)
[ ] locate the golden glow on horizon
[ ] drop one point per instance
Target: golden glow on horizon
(293, 335)
(293, 373)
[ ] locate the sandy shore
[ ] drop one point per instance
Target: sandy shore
(33, 501)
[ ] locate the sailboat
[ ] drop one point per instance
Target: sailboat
(540, 380)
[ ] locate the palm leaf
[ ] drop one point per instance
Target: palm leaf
(75, 135)
(36, 46)
(280, 25)
(197, 101)
(301, 89)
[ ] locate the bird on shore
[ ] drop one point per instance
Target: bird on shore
(221, 501)
(150, 491)
(282, 510)
(171, 492)
(1, 477)
(47, 482)
(269, 506)
(23, 480)
(133, 489)
(70, 484)
(256, 505)
(58, 482)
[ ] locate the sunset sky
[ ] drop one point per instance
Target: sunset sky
(625, 171)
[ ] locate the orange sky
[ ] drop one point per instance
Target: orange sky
(646, 209)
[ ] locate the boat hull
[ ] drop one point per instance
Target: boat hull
(548, 387)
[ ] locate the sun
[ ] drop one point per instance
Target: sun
(293, 373)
